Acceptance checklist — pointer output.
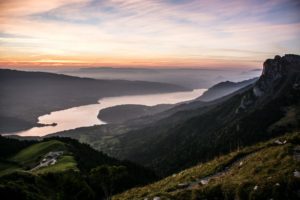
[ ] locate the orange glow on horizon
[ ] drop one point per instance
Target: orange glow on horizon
(139, 33)
(132, 63)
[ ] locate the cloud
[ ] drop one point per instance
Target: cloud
(26, 7)
(155, 32)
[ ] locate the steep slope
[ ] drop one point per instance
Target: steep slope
(268, 170)
(48, 167)
(257, 113)
(27, 95)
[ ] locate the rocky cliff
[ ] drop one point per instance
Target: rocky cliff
(278, 74)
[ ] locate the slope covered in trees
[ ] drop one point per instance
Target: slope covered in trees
(62, 168)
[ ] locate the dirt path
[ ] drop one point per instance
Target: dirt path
(239, 162)
(205, 180)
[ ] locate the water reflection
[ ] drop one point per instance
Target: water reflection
(83, 116)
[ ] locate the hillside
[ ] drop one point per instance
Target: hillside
(64, 167)
(186, 138)
(128, 112)
(104, 137)
(27, 95)
(268, 170)
(224, 88)
(199, 131)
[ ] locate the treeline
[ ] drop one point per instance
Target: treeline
(99, 176)
(10, 146)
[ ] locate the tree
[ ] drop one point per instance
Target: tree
(107, 180)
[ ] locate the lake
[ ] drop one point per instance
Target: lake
(84, 116)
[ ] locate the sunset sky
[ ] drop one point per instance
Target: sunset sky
(146, 33)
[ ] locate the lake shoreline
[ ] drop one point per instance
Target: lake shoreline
(86, 115)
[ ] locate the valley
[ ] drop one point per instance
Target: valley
(149, 100)
(237, 140)
(27, 95)
(198, 131)
(85, 116)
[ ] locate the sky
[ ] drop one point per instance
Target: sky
(147, 33)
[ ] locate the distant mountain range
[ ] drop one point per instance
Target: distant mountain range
(27, 95)
(193, 78)
(130, 112)
(224, 88)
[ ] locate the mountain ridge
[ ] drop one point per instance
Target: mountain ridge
(206, 135)
(27, 95)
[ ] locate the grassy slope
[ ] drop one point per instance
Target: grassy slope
(30, 157)
(264, 165)
(8, 168)
(64, 163)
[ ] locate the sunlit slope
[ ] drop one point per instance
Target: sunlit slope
(263, 171)
(29, 158)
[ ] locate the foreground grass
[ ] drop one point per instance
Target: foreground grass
(266, 172)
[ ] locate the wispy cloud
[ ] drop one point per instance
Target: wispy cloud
(147, 32)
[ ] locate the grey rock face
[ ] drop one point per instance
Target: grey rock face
(275, 72)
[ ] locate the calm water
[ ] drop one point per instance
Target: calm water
(83, 116)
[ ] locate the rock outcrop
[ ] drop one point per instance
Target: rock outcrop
(278, 74)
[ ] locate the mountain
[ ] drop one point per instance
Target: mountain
(62, 168)
(269, 170)
(123, 113)
(27, 95)
(224, 88)
(244, 145)
(261, 111)
(199, 131)
(188, 77)
(135, 117)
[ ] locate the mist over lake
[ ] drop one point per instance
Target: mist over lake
(191, 78)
